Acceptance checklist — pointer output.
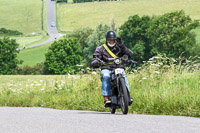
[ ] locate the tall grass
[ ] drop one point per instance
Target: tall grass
(157, 88)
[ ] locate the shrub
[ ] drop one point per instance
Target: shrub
(8, 56)
(82, 36)
(96, 39)
(63, 56)
(169, 34)
(38, 69)
(7, 32)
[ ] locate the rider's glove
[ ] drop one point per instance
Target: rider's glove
(96, 64)
(120, 44)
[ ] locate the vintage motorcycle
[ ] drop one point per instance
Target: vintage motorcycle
(120, 96)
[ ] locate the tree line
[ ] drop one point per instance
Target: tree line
(169, 35)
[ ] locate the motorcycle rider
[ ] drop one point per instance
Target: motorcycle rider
(117, 47)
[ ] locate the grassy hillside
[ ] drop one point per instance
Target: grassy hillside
(29, 40)
(21, 15)
(34, 55)
(74, 16)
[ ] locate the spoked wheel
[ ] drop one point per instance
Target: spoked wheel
(112, 109)
(124, 97)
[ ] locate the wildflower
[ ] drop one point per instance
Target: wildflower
(94, 73)
(37, 84)
(173, 60)
(79, 65)
(144, 78)
(156, 72)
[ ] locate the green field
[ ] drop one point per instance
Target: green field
(21, 15)
(33, 56)
(29, 40)
(74, 16)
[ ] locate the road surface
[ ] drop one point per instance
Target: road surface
(44, 120)
(52, 31)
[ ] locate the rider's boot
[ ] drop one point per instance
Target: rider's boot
(107, 101)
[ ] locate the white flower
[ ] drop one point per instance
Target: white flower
(144, 78)
(94, 73)
(156, 72)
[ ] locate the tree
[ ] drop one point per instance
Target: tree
(82, 36)
(63, 56)
(133, 32)
(169, 34)
(96, 39)
(8, 56)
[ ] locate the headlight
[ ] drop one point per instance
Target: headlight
(117, 61)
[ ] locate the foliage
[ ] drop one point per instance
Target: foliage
(133, 33)
(169, 34)
(7, 32)
(38, 69)
(63, 56)
(8, 56)
(59, 1)
(96, 39)
(81, 1)
(82, 36)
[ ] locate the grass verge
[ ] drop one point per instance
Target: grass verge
(157, 92)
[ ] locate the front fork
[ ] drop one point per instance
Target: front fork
(118, 85)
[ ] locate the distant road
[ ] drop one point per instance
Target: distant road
(44, 120)
(52, 31)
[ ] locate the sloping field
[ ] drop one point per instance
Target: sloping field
(34, 55)
(22, 15)
(74, 16)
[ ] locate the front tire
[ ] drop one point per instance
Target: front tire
(124, 96)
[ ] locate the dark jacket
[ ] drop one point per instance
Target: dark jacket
(103, 55)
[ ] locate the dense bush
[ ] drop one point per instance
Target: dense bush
(96, 39)
(59, 1)
(38, 69)
(7, 32)
(8, 56)
(80, 1)
(169, 34)
(82, 36)
(63, 56)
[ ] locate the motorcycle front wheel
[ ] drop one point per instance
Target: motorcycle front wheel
(124, 96)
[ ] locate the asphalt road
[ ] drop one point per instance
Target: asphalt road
(44, 120)
(52, 31)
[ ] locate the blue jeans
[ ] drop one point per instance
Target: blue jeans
(105, 76)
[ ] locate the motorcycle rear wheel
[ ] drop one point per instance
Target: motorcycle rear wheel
(124, 98)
